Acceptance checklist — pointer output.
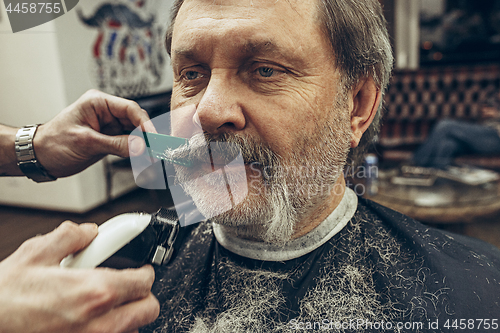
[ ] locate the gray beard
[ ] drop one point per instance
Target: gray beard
(288, 190)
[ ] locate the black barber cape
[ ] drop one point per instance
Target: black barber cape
(382, 272)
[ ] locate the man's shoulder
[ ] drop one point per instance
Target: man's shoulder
(427, 238)
(463, 271)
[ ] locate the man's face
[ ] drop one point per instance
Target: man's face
(263, 71)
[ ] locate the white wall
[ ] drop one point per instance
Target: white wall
(31, 82)
(42, 70)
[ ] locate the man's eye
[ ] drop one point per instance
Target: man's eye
(192, 75)
(265, 71)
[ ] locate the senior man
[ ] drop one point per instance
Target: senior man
(296, 84)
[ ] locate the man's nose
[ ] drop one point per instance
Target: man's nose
(220, 109)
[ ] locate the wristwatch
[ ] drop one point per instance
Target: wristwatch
(26, 159)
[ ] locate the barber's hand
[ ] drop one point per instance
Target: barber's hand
(36, 295)
(87, 130)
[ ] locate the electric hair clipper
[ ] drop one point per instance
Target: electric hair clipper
(129, 241)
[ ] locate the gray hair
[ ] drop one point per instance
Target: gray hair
(357, 31)
(358, 34)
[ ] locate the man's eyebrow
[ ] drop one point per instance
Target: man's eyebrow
(268, 47)
(250, 47)
(185, 53)
(253, 47)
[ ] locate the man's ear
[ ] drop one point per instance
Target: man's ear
(366, 99)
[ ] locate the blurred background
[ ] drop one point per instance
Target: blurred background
(447, 67)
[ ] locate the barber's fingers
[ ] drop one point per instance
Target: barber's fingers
(136, 145)
(120, 145)
(89, 294)
(51, 248)
(126, 111)
(128, 285)
(128, 317)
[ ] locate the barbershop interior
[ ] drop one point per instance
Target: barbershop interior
(423, 163)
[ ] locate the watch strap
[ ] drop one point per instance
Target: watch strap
(26, 158)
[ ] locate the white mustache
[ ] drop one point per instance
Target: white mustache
(222, 150)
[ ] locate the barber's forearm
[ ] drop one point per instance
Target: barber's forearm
(8, 159)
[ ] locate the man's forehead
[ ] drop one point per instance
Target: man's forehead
(246, 3)
(233, 8)
(256, 26)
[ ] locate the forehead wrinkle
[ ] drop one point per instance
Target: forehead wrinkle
(251, 4)
(238, 3)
